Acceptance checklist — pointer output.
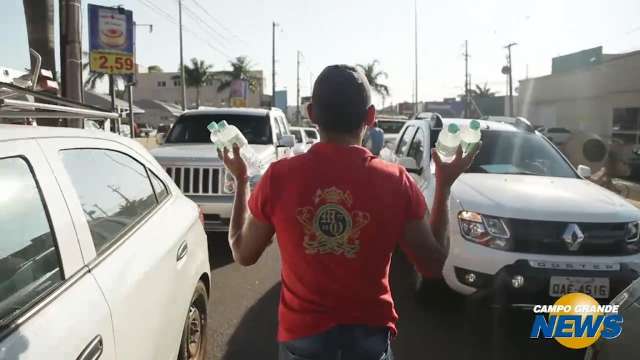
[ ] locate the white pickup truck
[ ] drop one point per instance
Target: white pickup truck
(191, 160)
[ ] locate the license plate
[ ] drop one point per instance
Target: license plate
(595, 287)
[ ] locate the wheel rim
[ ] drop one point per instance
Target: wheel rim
(194, 331)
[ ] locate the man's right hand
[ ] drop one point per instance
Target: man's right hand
(448, 172)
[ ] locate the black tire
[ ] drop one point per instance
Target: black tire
(193, 344)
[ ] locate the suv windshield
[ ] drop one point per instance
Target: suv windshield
(193, 128)
(510, 152)
(390, 127)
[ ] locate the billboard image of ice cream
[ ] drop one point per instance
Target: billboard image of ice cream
(112, 28)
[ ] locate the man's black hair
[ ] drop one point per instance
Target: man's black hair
(341, 97)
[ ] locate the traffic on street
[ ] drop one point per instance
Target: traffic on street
(182, 179)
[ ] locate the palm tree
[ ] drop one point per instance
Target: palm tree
(241, 69)
(197, 75)
(154, 68)
(482, 91)
(374, 76)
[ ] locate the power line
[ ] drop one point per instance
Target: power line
(195, 16)
(167, 16)
(218, 22)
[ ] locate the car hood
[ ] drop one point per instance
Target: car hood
(541, 198)
(203, 153)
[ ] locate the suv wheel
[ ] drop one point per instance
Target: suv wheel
(193, 344)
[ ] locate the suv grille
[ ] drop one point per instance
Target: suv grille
(196, 180)
(545, 237)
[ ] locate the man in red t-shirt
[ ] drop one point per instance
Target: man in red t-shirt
(338, 213)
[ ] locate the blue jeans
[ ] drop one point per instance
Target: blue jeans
(342, 342)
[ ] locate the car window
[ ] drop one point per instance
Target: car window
(159, 187)
(390, 127)
(192, 128)
(519, 153)
(416, 149)
(114, 191)
(283, 124)
(29, 261)
(405, 140)
(298, 135)
(277, 128)
(311, 134)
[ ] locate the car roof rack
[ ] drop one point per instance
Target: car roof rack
(53, 106)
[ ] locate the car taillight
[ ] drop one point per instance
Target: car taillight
(201, 215)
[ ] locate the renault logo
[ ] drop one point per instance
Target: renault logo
(573, 237)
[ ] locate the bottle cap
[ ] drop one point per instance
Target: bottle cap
(453, 128)
(222, 124)
(474, 125)
(213, 127)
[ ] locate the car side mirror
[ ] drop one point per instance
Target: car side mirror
(160, 138)
(287, 141)
(584, 171)
(410, 164)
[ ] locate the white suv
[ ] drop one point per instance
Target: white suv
(523, 223)
(101, 255)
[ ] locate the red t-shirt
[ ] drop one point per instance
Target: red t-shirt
(338, 213)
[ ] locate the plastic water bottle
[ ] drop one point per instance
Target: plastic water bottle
(225, 135)
(448, 142)
(470, 136)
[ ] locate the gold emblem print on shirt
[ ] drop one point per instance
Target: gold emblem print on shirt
(329, 227)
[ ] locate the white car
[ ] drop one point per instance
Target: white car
(391, 128)
(189, 157)
(303, 143)
(524, 225)
(101, 254)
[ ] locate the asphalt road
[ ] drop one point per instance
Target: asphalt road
(243, 317)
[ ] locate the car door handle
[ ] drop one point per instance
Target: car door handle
(182, 250)
(93, 351)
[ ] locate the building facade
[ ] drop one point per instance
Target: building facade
(166, 87)
(587, 91)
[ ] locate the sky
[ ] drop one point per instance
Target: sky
(360, 31)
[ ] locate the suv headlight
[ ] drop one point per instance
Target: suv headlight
(229, 184)
(485, 230)
(631, 236)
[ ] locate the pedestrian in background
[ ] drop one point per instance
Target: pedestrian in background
(336, 239)
(374, 139)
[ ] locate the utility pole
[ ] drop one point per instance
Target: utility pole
(467, 80)
(415, 11)
(273, 64)
(71, 53)
(183, 83)
(510, 77)
(298, 91)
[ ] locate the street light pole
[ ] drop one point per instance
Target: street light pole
(510, 77)
(298, 91)
(182, 81)
(467, 81)
(415, 10)
(273, 64)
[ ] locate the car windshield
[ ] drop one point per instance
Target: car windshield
(193, 128)
(519, 153)
(390, 127)
(297, 134)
